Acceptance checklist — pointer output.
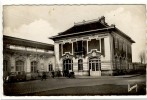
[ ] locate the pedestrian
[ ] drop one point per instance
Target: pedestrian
(53, 74)
(64, 73)
(67, 73)
(58, 73)
(43, 75)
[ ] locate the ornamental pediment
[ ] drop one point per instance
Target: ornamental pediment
(82, 38)
(67, 55)
(94, 53)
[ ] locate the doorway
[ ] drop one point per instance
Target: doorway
(95, 66)
(68, 64)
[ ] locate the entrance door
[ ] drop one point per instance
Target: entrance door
(68, 64)
(95, 66)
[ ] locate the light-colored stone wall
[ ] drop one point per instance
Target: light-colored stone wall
(42, 62)
(127, 63)
(107, 64)
(106, 61)
(57, 59)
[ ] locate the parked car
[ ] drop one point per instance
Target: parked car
(71, 75)
(34, 76)
(21, 76)
(12, 77)
(16, 77)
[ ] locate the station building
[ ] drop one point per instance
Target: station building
(21, 55)
(93, 48)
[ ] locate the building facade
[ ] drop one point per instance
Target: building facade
(93, 48)
(20, 55)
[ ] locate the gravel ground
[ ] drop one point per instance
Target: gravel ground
(106, 89)
(77, 86)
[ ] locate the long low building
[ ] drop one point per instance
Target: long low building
(21, 55)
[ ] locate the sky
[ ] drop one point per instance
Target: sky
(39, 22)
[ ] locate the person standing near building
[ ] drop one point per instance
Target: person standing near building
(43, 76)
(53, 74)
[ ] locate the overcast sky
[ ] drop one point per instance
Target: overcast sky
(40, 22)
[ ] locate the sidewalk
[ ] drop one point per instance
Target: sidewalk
(97, 77)
(127, 76)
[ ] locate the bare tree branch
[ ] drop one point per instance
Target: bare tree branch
(142, 57)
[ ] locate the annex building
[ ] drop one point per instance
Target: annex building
(30, 57)
(93, 48)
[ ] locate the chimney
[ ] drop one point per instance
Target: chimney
(102, 20)
(112, 25)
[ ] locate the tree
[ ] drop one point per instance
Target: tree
(142, 57)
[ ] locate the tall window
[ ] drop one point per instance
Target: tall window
(93, 44)
(116, 43)
(5, 63)
(80, 64)
(115, 63)
(124, 49)
(67, 47)
(67, 64)
(118, 63)
(80, 45)
(33, 66)
(79, 49)
(19, 65)
(50, 67)
(95, 64)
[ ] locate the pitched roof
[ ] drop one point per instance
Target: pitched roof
(84, 27)
(123, 34)
(27, 43)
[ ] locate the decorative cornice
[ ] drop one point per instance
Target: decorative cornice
(67, 55)
(83, 38)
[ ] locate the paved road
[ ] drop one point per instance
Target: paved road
(50, 84)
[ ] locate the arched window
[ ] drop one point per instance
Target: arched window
(115, 62)
(80, 64)
(118, 63)
(121, 63)
(19, 65)
(95, 64)
(33, 66)
(5, 63)
(50, 67)
(120, 44)
(116, 42)
(124, 46)
(67, 64)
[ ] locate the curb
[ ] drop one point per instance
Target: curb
(129, 76)
(100, 77)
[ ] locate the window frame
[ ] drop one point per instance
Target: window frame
(80, 64)
(19, 65)
(34, 65)
(95, 64)
(50, 67)
(69, 63)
